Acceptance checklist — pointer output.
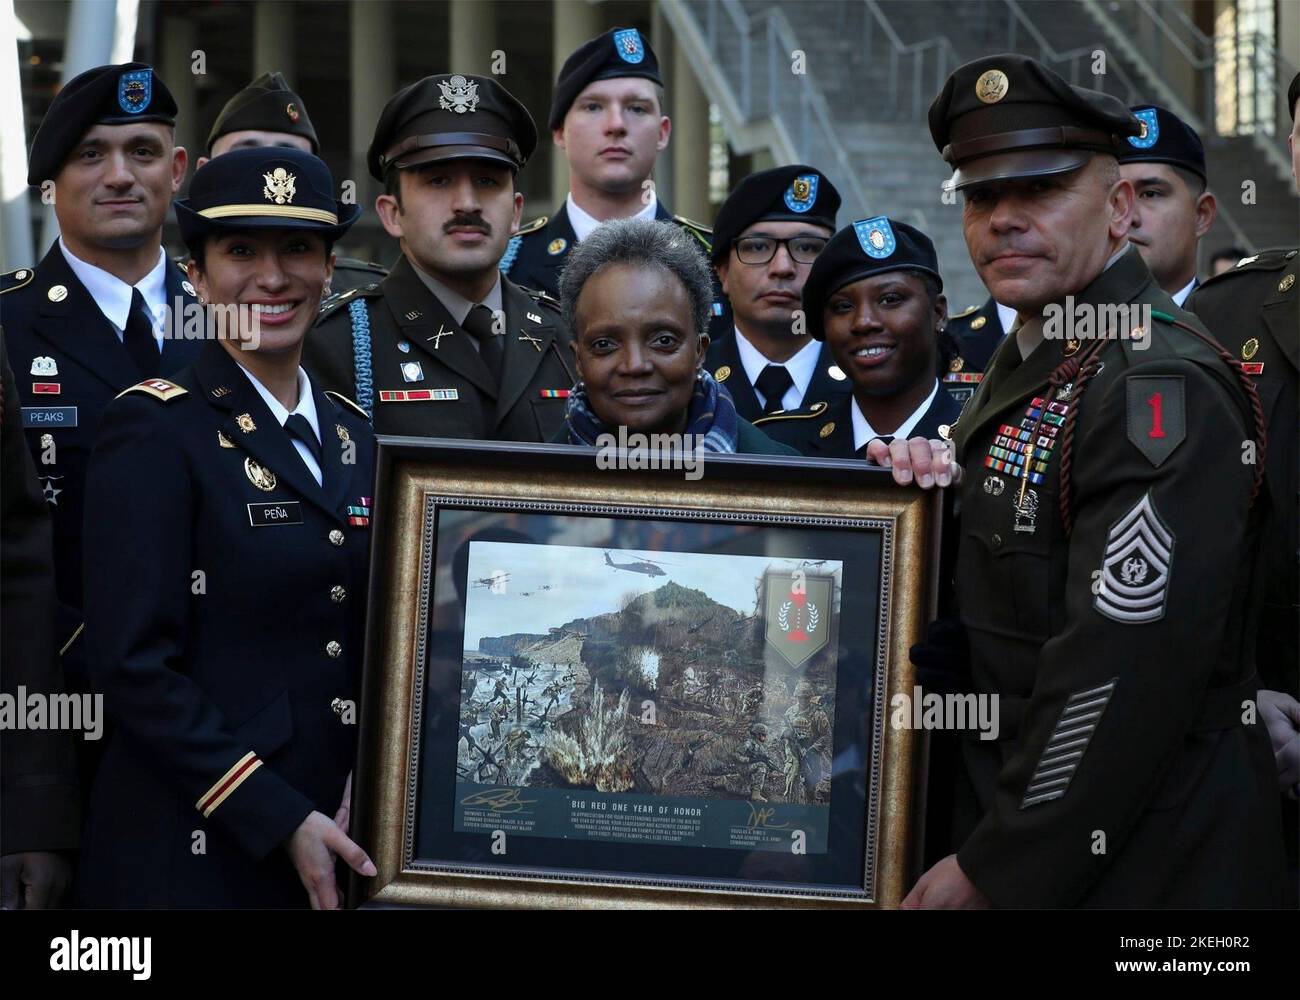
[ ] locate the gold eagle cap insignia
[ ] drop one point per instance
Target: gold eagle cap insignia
(279, 186)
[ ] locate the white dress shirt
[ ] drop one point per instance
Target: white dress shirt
(113, 295)
(1006, 316)
(863, 432)
(306, 406)
(584, 225)
(1180, 296)
(801, 367)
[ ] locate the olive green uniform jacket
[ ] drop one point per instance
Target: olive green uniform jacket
(1121, 653)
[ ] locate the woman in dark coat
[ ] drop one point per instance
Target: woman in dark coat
(226, 552)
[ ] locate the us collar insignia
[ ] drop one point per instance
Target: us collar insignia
(342, 433)
(279, 186)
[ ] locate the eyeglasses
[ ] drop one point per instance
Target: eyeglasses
(761, 249)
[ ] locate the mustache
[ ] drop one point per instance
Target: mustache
(468, 222)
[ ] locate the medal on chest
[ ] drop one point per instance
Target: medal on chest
(1024, 450)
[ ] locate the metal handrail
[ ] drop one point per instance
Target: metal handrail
(1047, 54)
(945, 62)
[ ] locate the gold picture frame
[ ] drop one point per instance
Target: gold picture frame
(416, 479)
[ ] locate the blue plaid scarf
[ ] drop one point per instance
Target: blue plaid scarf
(711, 417)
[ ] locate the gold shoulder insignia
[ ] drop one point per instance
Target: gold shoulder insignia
(337, 299)
(544, 297)
(159, 388)
(702, 233)
(343, 401)
(965, 312)
(803, 413)
(532, 227)
(12, 280)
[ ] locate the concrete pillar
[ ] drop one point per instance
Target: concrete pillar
(373, 77)
(661, 37)
(15, 217)
(178, 41)
(92, 31)
(273, 39)
(472, 36)
(689, 145)
(575, 21)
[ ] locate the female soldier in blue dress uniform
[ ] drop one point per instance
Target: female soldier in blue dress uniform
(227, 536)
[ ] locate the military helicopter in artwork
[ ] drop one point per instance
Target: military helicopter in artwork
(497, 579)
(647, 566)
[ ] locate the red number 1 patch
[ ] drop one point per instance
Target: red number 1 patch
(1157, 431)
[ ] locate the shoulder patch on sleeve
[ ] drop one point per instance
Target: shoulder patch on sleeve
(532, 227)
(1156, 415)
(965, 312)
(159, 388)
(1136, 567)
(11, 281)
(343, 401)
(803, 413)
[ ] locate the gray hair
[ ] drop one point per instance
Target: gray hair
(640, 243)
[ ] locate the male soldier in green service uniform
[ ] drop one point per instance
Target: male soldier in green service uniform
(268, 113)
(1252, 310)
(1108, 539)
(446, 345)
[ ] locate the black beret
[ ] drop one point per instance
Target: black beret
(106, 95)
(1165, 138)
(265, 187)
(618, 52)
(1293, 95)
(784, 194)
(872, 246)
(452, 117)
(1010, 116)
(265, 105)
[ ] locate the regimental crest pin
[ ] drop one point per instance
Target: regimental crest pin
(44, 367)
(458, 95)
(279, 186)
(342, 432)
(802, 193)
(291, 112)
(628, 45)
(1150, 133)
(245, 423)
(876, 237)
(1248, 350)
(797, 614)
(135, 91)
(556, 246)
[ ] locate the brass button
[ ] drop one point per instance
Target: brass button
(337, 594)
(996, 540)
(337, 706)
(336, 537)
(334, 649)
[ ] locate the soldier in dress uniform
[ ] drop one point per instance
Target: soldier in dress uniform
(1252, 310)
(765, 238)
(447, 345)
(231, 662)
(105, 308)
(976, 331)
(1166, 165)
(875, 299)
(1108, 539)
(268, 113)
(607, 115)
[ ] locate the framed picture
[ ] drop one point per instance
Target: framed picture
(615, 687)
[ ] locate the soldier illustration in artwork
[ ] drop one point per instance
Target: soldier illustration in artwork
(754, 761)
(805, 704)
(499, 691)
(552, 691)
(500, 712)
(517, 747)
(688, 757)
(795, 740)
(490, 765)
(753, 700)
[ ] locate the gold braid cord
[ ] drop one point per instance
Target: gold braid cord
(1082, 368)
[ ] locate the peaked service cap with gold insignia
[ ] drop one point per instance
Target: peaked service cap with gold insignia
(1009, 116)
(268, 187)
(452, 116)
(860, 250)
(265, 105)
(120, 94)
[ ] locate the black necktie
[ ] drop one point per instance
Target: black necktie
(773, 382)
(298, 426)
(492, 348)
(139, 340)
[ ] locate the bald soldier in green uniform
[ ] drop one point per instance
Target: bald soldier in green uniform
(1108, 539)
